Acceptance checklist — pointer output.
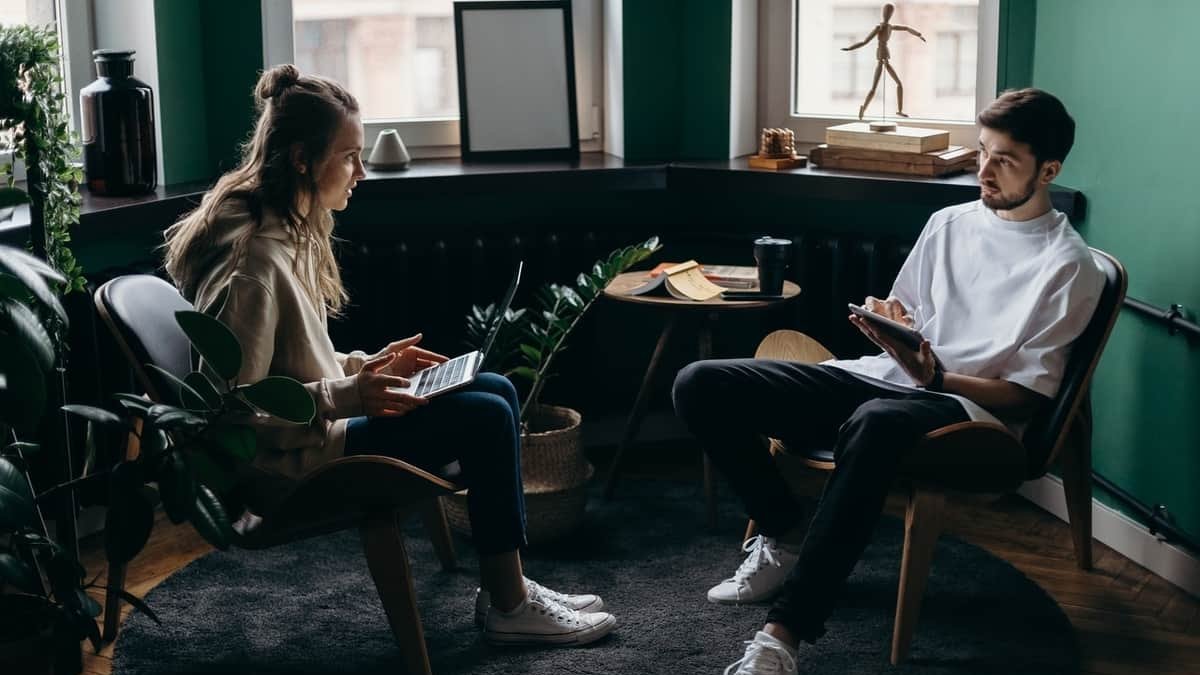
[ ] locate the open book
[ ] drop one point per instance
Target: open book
(684, 281)
(738, 277)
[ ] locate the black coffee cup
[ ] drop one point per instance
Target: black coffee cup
(772, 255)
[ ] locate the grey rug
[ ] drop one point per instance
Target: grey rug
(310, 607)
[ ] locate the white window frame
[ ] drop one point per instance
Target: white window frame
(439, 137)
(77, 39)
(777, 79)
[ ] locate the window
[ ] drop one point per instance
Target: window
(399, 59)
(813, 83)
(73, 19)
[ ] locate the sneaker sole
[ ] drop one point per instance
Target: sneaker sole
(481, 617)
(758, 601)
(580, 637)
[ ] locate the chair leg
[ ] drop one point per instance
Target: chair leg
(434, 517)
(1076, 468)
(922, 525)
(112, 601)
(751, 530)
(383, 543)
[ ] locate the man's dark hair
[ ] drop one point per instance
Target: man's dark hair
(1035, 117)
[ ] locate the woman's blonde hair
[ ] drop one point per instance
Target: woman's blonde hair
(296, 114)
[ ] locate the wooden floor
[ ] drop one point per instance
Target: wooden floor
(1128, 620)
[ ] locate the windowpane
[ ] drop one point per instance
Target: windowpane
(30, 12)
(938, 75)
(396, 56)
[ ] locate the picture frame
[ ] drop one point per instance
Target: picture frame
(516, 80)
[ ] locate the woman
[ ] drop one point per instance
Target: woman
(264, 233)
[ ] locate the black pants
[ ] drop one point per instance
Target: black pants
(729, 404)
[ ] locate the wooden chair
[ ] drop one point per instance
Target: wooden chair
(372, 493)
(983, 457)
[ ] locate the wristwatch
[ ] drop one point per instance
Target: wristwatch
(935, 382)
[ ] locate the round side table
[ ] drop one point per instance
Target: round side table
(675, 310)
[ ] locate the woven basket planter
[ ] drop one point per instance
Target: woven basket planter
(555, 474)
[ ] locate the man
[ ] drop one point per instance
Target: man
(999, 288)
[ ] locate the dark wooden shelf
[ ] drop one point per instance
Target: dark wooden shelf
(594, 173)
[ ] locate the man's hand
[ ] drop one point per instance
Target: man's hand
(376, 389)
(919, 365)
(410, 359)
(890, 308)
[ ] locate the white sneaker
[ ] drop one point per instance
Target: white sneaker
(765, 655)
(539, 620)
(760, 575)
(585, 603)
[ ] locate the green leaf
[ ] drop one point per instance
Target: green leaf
(133, 403)
(16, 500)
(130, 515)
(237, 441)
(34, 274)
(532, 353)
(211, 470)
(210, 520)
(89, 605)
(210, 398)
(178, 420)
(97, 415)
(215, 342)
(179, 386)
(525, 372)
(12, 288)
(282, 397)
(12, 197)
(15, 573)
(178, 487)
(23, 400)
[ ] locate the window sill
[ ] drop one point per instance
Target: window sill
(595, 173)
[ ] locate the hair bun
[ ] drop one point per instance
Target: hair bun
(275, 81)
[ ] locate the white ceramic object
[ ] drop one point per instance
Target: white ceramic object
(389, 152)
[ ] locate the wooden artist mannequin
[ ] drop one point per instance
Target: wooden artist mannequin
(883, 31)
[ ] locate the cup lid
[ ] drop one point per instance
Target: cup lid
(772, 241)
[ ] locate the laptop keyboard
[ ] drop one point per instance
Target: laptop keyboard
(443, 375)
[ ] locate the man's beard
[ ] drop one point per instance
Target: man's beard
(1002, 203)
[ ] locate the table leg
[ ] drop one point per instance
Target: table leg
(639, 405)
(710, 484)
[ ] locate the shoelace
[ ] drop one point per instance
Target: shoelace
(548, 605)
(764, 659)
(560, 598)
(762, 553)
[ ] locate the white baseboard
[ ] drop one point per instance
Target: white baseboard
(1122, 534)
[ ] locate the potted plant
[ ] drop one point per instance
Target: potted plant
(553, 466)
(189, 455)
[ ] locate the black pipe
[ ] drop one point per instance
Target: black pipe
(1155, 517)
(1173, 317)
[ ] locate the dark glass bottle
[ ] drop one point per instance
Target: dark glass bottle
(120, 155)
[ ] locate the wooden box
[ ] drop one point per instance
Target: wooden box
(952, 160)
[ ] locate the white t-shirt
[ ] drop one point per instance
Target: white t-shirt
(995, 298)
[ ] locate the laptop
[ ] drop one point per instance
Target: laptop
(460, 371)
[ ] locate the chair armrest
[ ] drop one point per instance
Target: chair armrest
(969, 457)
(340, 493)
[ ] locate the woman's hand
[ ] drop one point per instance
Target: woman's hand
(377, 389)
(921, 365)
(410, 359)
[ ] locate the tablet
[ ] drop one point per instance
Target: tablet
(894, 329)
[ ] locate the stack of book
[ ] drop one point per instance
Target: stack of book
(908, 150)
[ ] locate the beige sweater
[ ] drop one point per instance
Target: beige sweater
(282, 332)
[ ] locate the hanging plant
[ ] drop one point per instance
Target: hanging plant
(34, 123)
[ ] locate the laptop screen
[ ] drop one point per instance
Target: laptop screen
(503, 309)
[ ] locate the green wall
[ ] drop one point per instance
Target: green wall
(1127, 74)
(676, 79)
(209, 57)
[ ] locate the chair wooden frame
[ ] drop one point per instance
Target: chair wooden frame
(370, 492)
(1005, 462)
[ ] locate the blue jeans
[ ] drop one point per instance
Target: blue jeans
(478, 425)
